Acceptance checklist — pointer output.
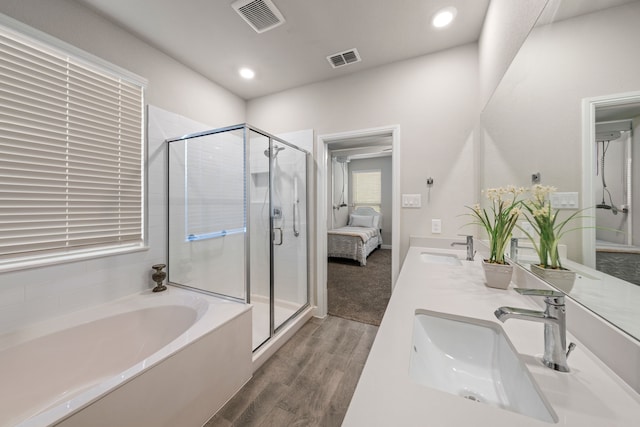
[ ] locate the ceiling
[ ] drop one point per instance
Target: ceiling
(211, 38)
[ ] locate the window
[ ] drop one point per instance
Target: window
(367, 189)
(71, 153)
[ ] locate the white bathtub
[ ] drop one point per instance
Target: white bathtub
(166, 359)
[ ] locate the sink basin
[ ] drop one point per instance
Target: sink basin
(475, 360)
(434, 258)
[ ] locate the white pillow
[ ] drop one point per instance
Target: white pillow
(361, 221)
(376, 221)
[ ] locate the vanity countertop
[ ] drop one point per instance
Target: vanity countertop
(590, 395)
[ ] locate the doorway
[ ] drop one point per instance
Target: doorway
(327, 145)
(611, 154)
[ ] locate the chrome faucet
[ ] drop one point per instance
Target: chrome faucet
(555, 326)
(469, 244)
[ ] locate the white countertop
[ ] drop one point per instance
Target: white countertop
(589, 395)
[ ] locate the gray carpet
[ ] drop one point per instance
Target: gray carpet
(360, 293)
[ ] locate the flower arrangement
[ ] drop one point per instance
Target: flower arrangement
(545, 222)
(499, 218)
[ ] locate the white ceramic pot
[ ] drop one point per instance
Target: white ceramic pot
(497, 275)
(562, 279)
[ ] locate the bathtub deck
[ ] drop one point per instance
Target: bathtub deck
(309, 381)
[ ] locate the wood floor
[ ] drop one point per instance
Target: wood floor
(308, 382)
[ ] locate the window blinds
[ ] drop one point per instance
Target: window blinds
(71, 153)
(367, 188)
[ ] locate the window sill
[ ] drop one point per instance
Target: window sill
(24, 264)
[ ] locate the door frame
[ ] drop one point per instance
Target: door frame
(322, 156)
(589, 106)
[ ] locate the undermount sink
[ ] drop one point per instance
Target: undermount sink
(474, 359)
(437, 258)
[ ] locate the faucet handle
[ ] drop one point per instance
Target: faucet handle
(551, 296)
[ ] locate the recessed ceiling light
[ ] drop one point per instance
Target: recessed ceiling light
(444, 17)
(247, 73)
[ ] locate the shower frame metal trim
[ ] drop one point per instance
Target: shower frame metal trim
(247, 299)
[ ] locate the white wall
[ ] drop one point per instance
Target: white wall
(433, 98)
(38, 293)
(384, 165)
(506, 27)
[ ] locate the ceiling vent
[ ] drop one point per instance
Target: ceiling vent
(344, 58)
(262, 15)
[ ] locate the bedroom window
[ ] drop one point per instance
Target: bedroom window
(71, 152)
(367, 189)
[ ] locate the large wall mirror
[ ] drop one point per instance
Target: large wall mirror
(572, 94)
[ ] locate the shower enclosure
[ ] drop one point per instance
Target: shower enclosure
(238, 221)
(614, 183)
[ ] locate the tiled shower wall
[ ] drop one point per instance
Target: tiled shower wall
(623, 265)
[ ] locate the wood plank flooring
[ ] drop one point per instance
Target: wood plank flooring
(308, 382)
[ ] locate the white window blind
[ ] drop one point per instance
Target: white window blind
(71, 153)
(367, 189)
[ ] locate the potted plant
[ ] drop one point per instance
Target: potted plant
(549, 229)
(498, 220)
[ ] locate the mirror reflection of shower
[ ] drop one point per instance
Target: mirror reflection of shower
(603, 141)
(613, 185)
(616, 188)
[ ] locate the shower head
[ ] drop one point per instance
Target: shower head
(276, 150)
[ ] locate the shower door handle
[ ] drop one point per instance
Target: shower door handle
(279, 231)
(295, 230)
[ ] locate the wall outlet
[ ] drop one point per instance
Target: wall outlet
(436, 226)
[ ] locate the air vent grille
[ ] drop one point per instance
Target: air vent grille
(261, 15)
(344, 58)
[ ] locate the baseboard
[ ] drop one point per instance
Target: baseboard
(385, 246)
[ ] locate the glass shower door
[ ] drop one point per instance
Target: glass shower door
(278, 233)
(289, 230)
(259, 236)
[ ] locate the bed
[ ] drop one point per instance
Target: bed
(358, 239)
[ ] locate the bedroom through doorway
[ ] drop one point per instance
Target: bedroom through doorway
(359, 227)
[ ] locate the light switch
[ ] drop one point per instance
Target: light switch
(436, 226)
(567, 200)
(411, 200)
